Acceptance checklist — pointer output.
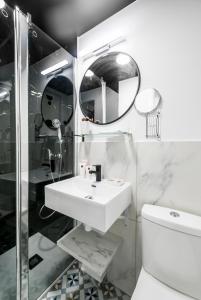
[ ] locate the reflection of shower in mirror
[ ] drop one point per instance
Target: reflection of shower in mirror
(57, 102)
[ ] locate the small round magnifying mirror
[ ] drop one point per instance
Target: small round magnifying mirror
(147, 101)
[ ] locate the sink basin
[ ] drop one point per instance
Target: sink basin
(96, 204)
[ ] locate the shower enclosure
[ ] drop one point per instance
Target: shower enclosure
(37, 148)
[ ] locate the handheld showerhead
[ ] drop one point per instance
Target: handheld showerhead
(56, 123)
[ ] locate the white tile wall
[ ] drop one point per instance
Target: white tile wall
(161, 173)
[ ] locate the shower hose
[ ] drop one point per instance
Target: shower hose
(52, 176)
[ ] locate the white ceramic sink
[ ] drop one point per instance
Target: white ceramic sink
(96, 204)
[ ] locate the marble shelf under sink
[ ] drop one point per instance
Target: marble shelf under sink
(93, 250)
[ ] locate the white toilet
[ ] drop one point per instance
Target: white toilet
(171, 249)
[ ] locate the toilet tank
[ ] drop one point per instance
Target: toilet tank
(171, 247)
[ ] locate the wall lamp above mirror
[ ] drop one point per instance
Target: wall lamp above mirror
(109, 87)
(56, 67)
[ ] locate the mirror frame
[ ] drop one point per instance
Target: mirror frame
(43, 120)
(132, 104)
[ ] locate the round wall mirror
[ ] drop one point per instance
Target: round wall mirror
(109, 87)
(57, 101)
(147, 101)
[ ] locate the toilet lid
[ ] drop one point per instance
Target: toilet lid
(149, 288)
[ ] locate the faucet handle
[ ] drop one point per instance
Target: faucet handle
(98, 172)
(97, 167)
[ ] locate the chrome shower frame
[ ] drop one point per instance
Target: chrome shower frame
(21, 27)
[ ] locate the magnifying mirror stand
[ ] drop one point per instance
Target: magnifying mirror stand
(153, 125)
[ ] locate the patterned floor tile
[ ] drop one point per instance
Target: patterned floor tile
(77, 285)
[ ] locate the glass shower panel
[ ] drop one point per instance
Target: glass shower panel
(51, 154)
(7, 157)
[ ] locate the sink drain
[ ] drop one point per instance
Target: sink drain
(89, 197)
(174, 214)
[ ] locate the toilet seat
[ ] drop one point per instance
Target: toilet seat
(149, 288)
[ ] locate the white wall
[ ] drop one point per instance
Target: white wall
(164, 39)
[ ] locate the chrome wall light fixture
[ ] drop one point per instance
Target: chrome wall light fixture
(103, 49)
(60, 65)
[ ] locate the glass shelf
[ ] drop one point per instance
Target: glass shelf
(114, 134)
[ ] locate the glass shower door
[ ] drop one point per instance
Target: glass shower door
(27, 142)
(51, 154)
(13, 154)
(7, 157)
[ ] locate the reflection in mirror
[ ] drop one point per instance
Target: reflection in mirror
(57, 101)
(147, 101)
(109, 88)
(5, 88)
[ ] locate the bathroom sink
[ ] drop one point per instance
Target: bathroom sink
(96, 204)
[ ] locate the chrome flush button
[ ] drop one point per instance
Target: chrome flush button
(174, 214)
